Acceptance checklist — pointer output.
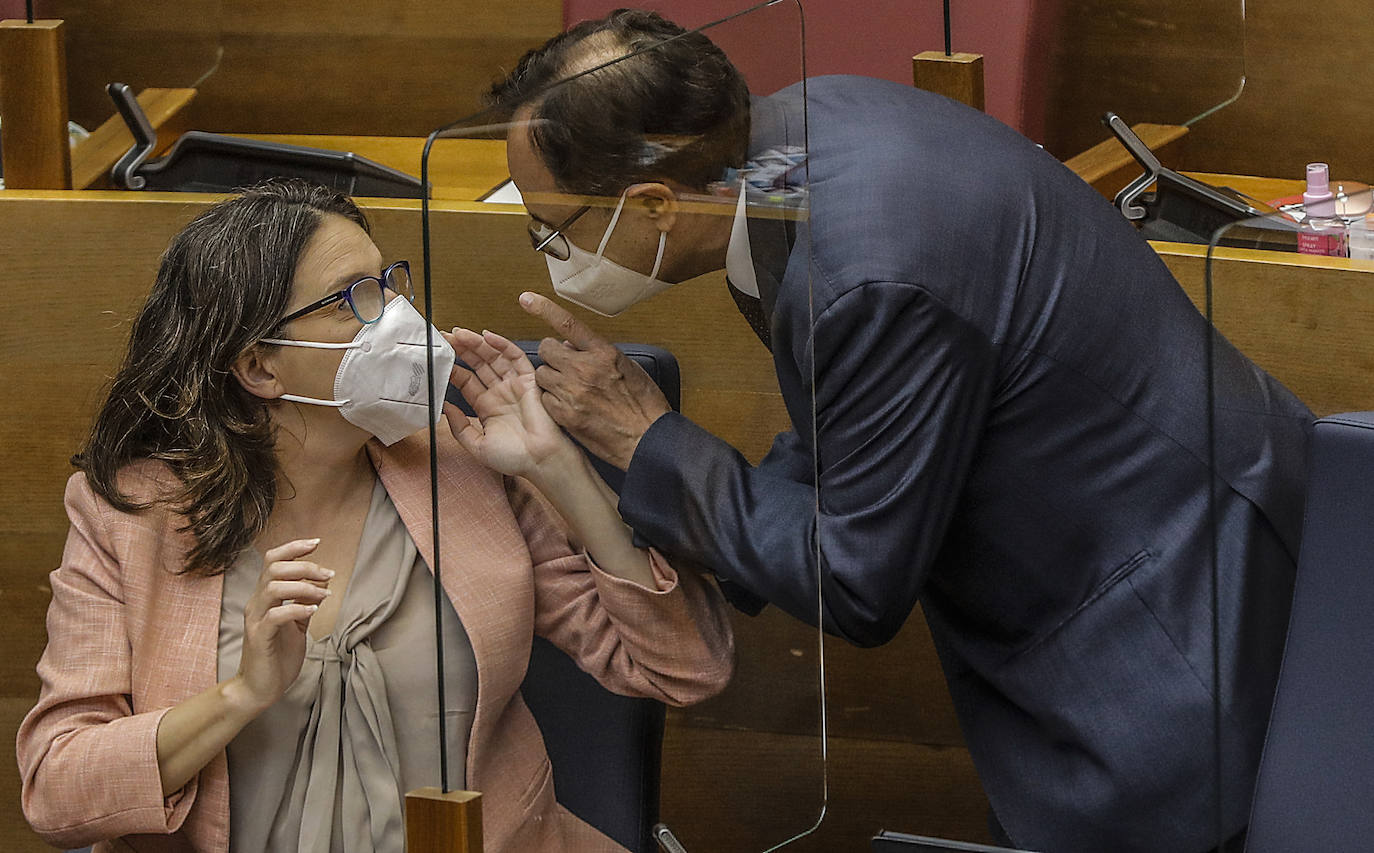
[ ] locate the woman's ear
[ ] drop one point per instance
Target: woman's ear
(255, 371)
(659, 201)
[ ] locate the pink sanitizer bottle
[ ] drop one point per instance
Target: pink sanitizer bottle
(1323, 233)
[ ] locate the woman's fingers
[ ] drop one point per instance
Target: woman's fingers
(292, 550)
(532, 411)
(480, 356)
(468, 359)
(309, 593)
(496, 352)
(468, 433)
(460, 337)
(291, 570)
(466, 382)
(513, 359)
(285, 614)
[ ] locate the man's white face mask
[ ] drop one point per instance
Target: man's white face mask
(380, 384)
(599, 284)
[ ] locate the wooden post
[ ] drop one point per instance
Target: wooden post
(438, 822)
(33, 106)
(958, 76)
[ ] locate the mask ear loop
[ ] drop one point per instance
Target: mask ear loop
(282, 342)
(313, 401)
(610, 229)
(658, 259)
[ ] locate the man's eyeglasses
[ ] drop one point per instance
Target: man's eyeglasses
(549, 239)
(366, 296)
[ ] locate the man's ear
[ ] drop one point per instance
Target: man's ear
(255, 371)
(659, 201)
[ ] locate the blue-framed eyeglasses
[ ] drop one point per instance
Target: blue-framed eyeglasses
(366, 296)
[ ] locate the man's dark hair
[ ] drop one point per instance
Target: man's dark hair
(679, 110)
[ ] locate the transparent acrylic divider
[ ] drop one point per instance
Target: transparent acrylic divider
(163, 44)
(1173, 63)
(1272, 299)
(744, 770)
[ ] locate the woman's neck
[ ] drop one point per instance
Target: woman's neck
(320, 470)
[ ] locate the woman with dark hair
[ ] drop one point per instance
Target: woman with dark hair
(241, 637)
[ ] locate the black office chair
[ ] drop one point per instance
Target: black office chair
(1315, 789)
(604, 747)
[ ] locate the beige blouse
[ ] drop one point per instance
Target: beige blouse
(325, 769)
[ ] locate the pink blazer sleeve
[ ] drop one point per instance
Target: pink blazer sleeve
(88, 762)
(672, 643)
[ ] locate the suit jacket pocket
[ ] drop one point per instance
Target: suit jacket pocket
(1119, 574)
(1105, 706)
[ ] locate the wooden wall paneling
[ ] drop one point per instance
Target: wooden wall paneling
(74, 270)
(872, 785)
(892, 693)
(1305, 97)
(16, 833)
(741, 770)
(1159, 61)
(368, 68)
(148, 44)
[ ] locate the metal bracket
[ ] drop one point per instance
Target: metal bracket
(1126, 200)
(125, 172)
(666, 840)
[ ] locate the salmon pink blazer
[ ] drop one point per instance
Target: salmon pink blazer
(129, 637)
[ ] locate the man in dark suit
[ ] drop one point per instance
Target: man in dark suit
(1010, 418)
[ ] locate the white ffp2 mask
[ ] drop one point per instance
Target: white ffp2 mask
(601, 285)
(380, 384)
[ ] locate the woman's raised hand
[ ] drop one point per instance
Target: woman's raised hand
(276, 617)
(512, 434)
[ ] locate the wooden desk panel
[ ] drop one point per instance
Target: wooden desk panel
(1304, 319)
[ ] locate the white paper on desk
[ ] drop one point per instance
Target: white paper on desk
(505, 193)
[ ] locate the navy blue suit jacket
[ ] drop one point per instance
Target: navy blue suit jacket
(1010, 427)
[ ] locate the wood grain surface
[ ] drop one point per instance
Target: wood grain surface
(371, 67)
(1305, 97)
(33, 102)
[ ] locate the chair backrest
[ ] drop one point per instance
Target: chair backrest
(604, 747)
(1315, 788)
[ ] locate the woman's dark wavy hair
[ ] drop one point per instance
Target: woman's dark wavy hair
(223, 284)
(678, 110)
